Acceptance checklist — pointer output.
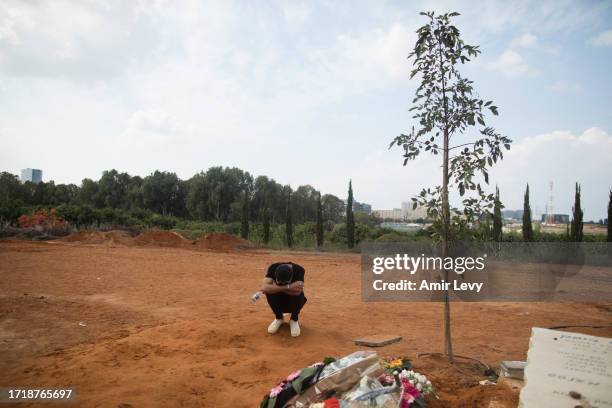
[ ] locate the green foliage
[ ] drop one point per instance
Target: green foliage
(212, 196)
(319, 228)
(527, 227)
(576, 225)
(497, 218)
(350, 221)
(163, 193)
(333, 208)
(244, 221)
(609, 237)
(289, 222)
(266, 226)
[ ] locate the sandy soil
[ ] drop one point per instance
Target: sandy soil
(170, 327)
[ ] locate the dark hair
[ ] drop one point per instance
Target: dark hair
(283, 274)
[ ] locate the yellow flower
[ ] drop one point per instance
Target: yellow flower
(396, 363)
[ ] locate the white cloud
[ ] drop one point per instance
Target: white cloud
(603, 39)
(526, 40)
(153, 121)
(382, 51)
(510, 63)
(565, 86)
(295, 12)
(84, 40)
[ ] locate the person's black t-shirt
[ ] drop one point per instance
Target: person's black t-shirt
(298, 272)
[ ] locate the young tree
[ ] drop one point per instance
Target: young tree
(266, 225)
(497, 218)
(446, 106)
(244, 216)
(319, 221)
(350, 219)
(289, 222)
(610, 216)
(527, 226)
(577, 224)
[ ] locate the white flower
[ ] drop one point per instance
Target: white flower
(419, 387)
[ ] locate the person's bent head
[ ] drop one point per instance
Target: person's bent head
(283, 274)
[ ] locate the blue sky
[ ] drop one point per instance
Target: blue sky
(304, 92)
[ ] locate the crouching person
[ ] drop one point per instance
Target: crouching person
(284, 289)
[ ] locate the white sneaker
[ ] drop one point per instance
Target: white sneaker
(295, 328)
(275, 325)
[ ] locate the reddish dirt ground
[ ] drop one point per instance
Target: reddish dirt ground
(174, 327)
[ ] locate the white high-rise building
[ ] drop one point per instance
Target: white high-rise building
(33, 175)
(410, 214)
(406, 213)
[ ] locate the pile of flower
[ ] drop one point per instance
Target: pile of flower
(396, 386)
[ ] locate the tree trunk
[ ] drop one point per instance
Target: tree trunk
(448, 346)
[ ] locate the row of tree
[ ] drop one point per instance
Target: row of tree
(220, 194)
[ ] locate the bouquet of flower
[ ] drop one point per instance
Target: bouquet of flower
(414, 386)
(392, 364)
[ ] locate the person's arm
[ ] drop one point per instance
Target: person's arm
(295, 289)
(269, 287)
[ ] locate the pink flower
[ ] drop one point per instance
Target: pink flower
(294, 375)
(276, 390)
(410, 392)
(386, 379)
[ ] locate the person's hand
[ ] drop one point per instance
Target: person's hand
(297, 285)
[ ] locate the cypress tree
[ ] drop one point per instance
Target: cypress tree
(577, 224)
(610, 216)
(527, 227)
(350, 219)
(319, 221)
(266, 225)
(244, 219)
(497, 218)
(289, 223)
(486, 227)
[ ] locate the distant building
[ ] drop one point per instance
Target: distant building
(410, 214)
(32, 175)
(406, 213)
(557, 218)
(395, 214)
(362, 207)
(515, 215)
(358, 207)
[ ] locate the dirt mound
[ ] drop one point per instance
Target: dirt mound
(219, 241)
(162, 238)
(114, 237)
(119, 237)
